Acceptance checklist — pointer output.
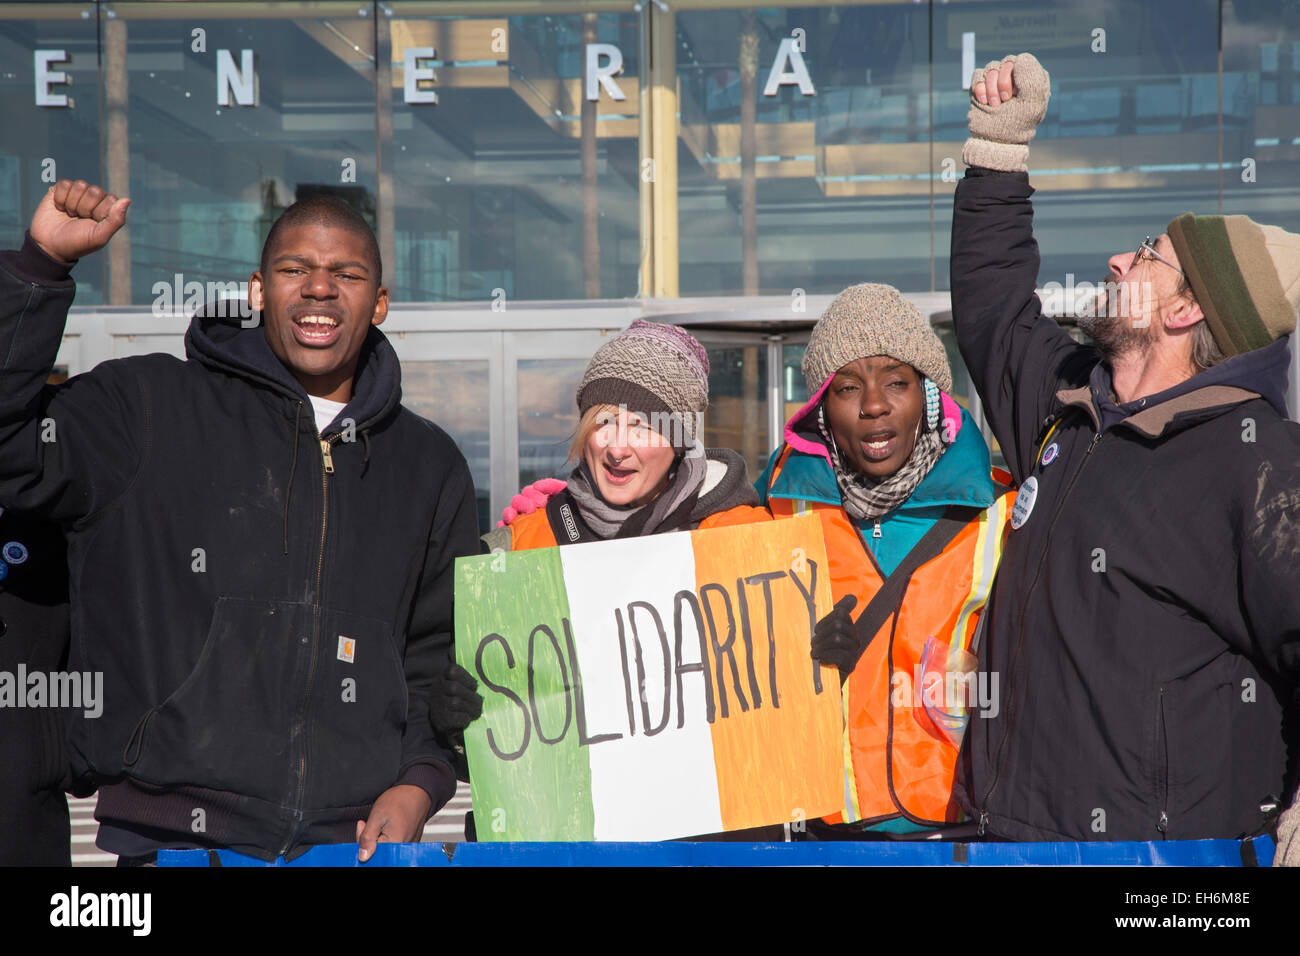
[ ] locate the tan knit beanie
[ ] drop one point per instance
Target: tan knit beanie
(653, 370)
(869, 319)
(1246, 277)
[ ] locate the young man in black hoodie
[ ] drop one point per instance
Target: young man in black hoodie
(1145, 621)
(261, 543)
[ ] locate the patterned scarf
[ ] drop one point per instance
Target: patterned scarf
(866, 499)
(669, 511)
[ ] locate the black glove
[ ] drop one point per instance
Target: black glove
(455, 703)
(836, 640)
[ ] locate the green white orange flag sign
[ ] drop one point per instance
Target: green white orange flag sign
(651, 688)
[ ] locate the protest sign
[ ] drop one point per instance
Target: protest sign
(651, 688)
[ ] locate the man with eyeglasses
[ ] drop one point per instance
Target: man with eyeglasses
(1145, 623)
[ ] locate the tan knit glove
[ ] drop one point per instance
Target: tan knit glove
(1000, 132)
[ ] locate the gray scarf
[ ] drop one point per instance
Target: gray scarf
(866, 499)
(670, 511)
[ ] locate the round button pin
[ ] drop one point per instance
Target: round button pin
(15, 552)
(1050, 453)
(1024, 502)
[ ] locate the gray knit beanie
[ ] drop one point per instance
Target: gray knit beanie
(870, 319)
(657, 371)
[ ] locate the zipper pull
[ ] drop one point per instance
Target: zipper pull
(1163, 825)
(984, 820)
(875, 532)
(329, 459)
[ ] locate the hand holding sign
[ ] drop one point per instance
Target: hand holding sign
(455, 702)
(836, 639)
(398, 816)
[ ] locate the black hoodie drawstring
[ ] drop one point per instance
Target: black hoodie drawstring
(365, 460)
(293, 467)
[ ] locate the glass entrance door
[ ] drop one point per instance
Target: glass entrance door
(754, 386)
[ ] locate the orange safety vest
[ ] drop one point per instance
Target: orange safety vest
(898, 760)
(533, 530)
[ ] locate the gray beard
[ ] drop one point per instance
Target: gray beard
(1114, 334)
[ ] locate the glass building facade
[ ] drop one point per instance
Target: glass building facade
(541, 172)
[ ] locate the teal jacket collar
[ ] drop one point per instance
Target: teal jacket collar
(960, 476)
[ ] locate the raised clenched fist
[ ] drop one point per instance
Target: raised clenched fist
(75, 219)
(1008, 99)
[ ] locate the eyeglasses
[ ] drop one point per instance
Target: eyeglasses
(1150, 249)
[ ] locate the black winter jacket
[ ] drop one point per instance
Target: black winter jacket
(1145, 621)
(268, 619)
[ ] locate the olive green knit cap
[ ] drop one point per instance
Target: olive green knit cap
(1245, 276)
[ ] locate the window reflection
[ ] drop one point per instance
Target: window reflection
(794, 388)
(1261, 112)
(454, 396)
(1130, 139)
(39, 144)
(515, 185)
(210, 177)
(737, 414)
(797, 190)
(548, 415)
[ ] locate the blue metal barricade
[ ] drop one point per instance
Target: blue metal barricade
(1168, 853)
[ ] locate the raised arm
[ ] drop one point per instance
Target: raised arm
(1017, 357)
(65, 452)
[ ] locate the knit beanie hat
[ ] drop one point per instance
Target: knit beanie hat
(657, 371)
(1246, 277)
(870, 319)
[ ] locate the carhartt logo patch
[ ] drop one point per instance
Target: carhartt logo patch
(347, 649)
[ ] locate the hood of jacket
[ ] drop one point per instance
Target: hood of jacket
(1260, 373)
(224, 344)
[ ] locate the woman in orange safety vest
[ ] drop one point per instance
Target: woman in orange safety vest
(913, 520)
(641, 470)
